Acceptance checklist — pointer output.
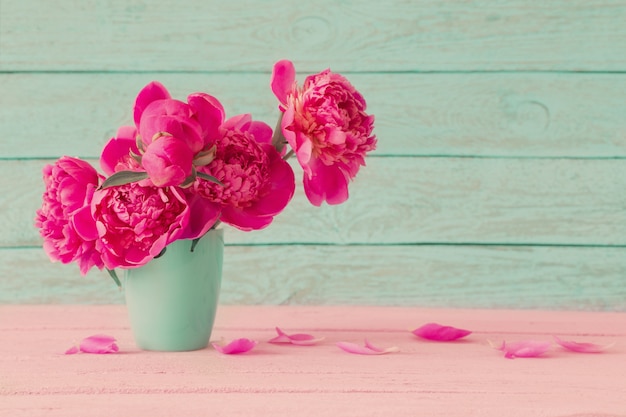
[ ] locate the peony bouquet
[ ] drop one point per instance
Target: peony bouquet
(183, 168)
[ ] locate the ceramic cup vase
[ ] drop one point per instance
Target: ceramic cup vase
(173, 299)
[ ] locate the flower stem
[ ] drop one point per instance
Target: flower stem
(194, 243)
(288, 155)
(278, 140)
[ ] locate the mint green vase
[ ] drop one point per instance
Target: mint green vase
(172, 300)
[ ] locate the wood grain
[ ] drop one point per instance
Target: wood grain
(523, 115)
(398, 35)
(415, 200)
(498, 181)
(459, 379)
(567, 278)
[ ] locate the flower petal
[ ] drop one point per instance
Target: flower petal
(152, 92)
(283, 77)
(582, 347)
(99, 343)
(202, 216)
(171, 118)
(239, 122)
(300, 339)
(117, 150)
(278, 191)
(262, 132)
(168, 161)
(242, 345)
(74, 349)
(209, 112)
(243, 221)
(524, 349)
(326, 183)
(368, 349)
(439, 333)
(84, 224)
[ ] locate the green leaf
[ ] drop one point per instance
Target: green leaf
(140, 146)
(209, 178)
(136, 157)
(113, 275)
(205, 157)
(161, 253)
(189, 180)
(159, 135)
(123, 177)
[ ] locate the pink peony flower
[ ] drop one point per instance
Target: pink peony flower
(64, 219)
(325, 124)
(172, 132)
(136, 222)
(257, 183)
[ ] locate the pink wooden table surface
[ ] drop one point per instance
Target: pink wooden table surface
(467, 378)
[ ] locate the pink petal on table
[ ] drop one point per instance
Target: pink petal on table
(582, 347)
(242, 345)
(368, 349)
(74, 349)
(99, 343)
(439, 333)
(524, 349)
(301, 339)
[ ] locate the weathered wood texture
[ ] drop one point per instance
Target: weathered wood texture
(395, 35)
(424, 275)
(415, 201)
(482, 114)
(499, 180)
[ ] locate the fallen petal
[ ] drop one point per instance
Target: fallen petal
(439, 333)
(74, 349)
(524, 349)
(242, 345)
(99, 343)
(301, 339)
(368, 349)
(496, 347)
(582, 347)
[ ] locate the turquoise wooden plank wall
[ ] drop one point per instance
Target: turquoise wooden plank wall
(500, 178)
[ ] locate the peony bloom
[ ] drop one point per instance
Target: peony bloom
(64, 219)
(136, 222)
(257, 183)
(325, 124)
(171, 132)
